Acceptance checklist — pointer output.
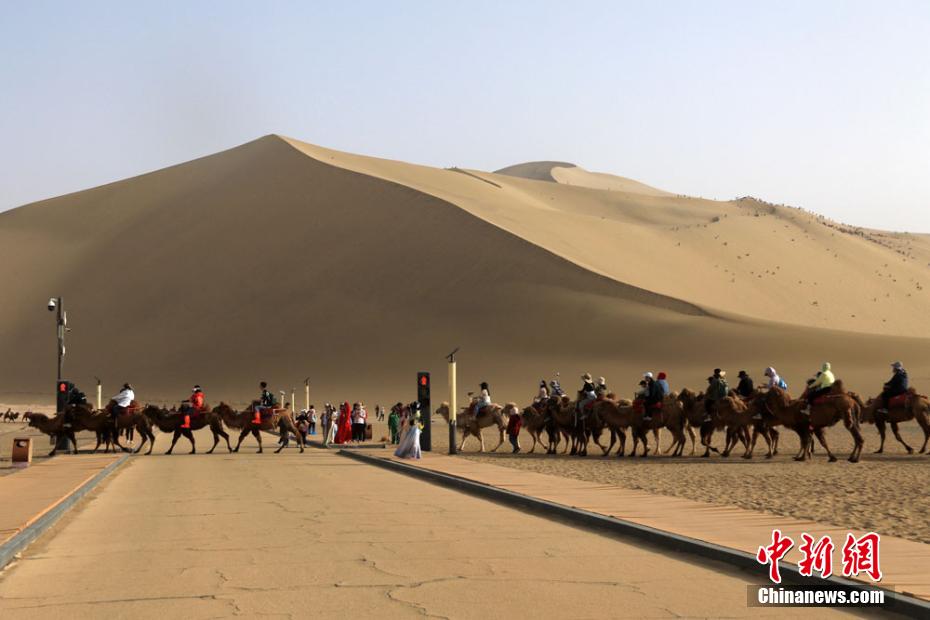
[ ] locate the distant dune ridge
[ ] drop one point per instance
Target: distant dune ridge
(280, 260)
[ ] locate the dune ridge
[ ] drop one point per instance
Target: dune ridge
(261, 262)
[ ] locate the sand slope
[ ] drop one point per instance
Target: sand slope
(279, 260)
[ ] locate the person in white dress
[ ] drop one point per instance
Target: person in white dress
(409, 447)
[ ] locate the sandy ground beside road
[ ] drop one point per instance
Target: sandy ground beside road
(316, 534)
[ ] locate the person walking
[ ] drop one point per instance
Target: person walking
(394, 424)
(362, 421)
(513, 430)
(313, 419)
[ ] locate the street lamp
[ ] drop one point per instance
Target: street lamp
(54, 303)
(61, 323)
(453, 406)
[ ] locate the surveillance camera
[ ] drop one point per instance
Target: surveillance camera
(52, 304)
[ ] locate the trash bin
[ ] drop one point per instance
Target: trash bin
(22, 451)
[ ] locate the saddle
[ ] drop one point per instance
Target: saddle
(898, 401)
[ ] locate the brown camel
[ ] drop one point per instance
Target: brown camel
(619, 415)
(471, 425)
(280, 420)
(53, 426)
(915, 407)
(825, 412)
(738, 415)
(560, 411)
(171, 421)
(534, 421)
(86, 418)
(693, 408)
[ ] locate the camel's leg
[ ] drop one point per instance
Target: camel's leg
(645, 438)
(190, 437)
(99, 441)
(257, 433)
(693, 442)
(613, 440)
(242, 435)
(880, 427)
(822, 438)
(853, 429)
(216, 440)
(501, 429)
(622, 436)
(897, 435)
(773, 433)
(174, 440)
(655, 434)
(925, 425)
(481, 439)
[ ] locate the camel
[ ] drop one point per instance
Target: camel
(471, 425)
(692, 405)
(561, 410)
(172, 421)
(825, 412)
(53, 426)
(622, 414)
(280, 420)
(101, 422)
(737, 414)
(534, 421)
(915, 407)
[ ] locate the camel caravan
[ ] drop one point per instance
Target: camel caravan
(123, 417)
(743, 415)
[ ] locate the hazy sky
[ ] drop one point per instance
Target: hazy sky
(819, 104)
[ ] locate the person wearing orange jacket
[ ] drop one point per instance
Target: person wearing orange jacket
(192, 405)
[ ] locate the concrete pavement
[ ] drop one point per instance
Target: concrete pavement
(320, 535)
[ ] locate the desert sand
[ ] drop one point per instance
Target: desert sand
(280, 260)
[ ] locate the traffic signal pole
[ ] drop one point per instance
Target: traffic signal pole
(453, 405)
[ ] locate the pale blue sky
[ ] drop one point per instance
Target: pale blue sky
(819, 104)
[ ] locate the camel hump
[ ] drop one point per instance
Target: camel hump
(838, 387)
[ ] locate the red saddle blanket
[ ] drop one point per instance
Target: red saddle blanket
(898, 401)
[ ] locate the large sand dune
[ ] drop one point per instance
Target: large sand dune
(279, 260)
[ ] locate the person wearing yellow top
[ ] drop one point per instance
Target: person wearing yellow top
(822, 384)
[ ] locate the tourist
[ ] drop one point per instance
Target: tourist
(745, 388)
(513, 430)
(409, 447)
(394, 424)
(362, 421)
(662, 380)
(313, 419)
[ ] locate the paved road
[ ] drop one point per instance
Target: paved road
(320, 535)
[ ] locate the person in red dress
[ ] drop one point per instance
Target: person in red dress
(344, 430)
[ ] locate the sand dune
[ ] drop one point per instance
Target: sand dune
(280, 260)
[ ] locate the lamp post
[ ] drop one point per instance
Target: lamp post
(453, 406)
(307, 393)
(61, 324)
(54, 304)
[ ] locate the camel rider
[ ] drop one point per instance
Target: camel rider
(192, 405)
(821, 385)
(600, 390)
(556, 388)
(652, 399)
(587, 394)
(716, 390)
(745, 388)
(122, 401)
(265, 401)
(662, 380)
(483, 399)
(543, 394)
(774, 380)
(895, 386)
